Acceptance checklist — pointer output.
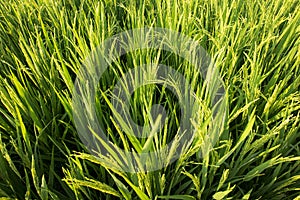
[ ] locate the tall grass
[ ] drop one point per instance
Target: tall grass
(255, 46)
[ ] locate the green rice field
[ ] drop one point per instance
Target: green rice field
(54, 91)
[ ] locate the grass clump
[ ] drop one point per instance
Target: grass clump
(255, 46)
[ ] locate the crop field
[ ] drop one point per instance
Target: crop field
(153, 99)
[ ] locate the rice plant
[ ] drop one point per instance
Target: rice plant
(255, 46)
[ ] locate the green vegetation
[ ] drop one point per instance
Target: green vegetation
(255, 46)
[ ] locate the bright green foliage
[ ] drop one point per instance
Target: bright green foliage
(254, 44)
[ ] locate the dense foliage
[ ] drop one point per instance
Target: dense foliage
(254, 44)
